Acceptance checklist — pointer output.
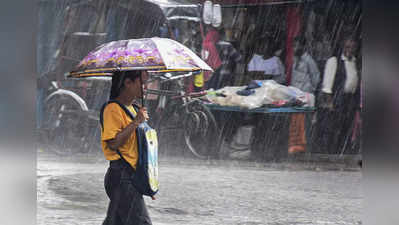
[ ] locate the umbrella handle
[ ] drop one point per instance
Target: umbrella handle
(142, 90)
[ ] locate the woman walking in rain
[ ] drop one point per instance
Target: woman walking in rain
(127, 206)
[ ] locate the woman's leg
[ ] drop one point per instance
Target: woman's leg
(132, 209)
(112, 188)
(127, 206)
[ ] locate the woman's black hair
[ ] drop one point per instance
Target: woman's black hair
(118, 79)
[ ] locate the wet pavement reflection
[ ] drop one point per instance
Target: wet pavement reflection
(194, 192)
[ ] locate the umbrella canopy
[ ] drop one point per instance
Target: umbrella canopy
(139, 54)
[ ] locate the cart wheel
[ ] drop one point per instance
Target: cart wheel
(63, 130)
(200, 131)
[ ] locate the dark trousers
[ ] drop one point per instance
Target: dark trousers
(335, 126)
(127, 206)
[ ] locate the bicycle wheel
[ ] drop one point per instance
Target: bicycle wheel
(200, 130)
(63, 129)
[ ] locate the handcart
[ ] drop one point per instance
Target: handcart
(268, 133)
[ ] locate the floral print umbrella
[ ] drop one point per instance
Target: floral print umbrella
(160, 54)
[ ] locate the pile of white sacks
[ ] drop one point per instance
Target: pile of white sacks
(269, 92)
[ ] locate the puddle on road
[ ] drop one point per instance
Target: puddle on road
(250, 223)
(169, 211)
(73, 189)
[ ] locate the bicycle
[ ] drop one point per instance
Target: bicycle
(184, 115)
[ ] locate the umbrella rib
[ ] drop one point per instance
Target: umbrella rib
(117, 68)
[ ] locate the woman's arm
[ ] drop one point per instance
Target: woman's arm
(121, 137)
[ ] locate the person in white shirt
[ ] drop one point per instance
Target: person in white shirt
(340, 95)
(305, 76)
(350, 76)
(265, 64)
(305, 73)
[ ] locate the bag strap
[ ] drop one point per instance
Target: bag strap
(126, 110)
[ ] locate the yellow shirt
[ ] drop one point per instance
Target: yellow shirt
(115, 120)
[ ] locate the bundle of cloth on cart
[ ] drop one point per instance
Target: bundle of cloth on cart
(260, 93)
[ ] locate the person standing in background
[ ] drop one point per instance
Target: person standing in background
(305, 73)
(306, 77)
(265, 64)
(341, 95)
(229, 57)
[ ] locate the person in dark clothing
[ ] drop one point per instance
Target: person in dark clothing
(127, 206)
(229, 57)
(340, 96)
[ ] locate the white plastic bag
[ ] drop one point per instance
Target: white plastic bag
(269, 92)
(217, 15)
(208, 12)
(278, 92)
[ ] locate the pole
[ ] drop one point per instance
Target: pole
(142, 90)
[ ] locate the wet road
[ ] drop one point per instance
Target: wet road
(70, 191)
